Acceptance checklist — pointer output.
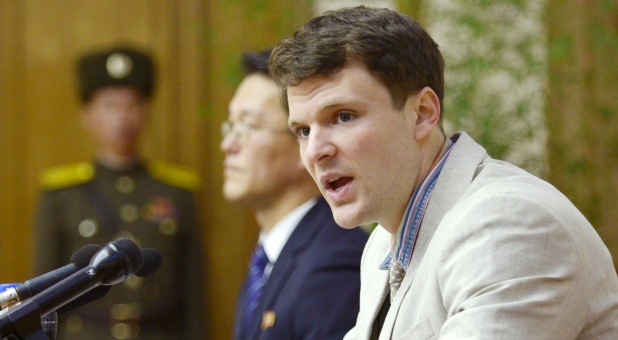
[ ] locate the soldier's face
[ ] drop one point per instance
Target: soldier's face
(116, 117)
(261, 155)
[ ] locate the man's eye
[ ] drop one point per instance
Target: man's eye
(302, 133)
(344, 117)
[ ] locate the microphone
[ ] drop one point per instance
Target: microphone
(112, 264)
(152, 261)
(85, 299)
(80, 259)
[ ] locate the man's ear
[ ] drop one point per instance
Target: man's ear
(427, 106)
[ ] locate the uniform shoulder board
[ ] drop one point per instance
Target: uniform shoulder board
(175, 175)
(65, 176)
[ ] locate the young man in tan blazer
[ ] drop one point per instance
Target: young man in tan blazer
(468, 247)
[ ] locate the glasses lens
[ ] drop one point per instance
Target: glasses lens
(226, 127)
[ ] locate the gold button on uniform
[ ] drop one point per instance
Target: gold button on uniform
(126, 311)
(134, 282)
(168, 226)
(73, 324)
(125, 320)
(123, 331)
(124, 184)
(129, 213)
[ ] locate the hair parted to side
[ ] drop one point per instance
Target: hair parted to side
(393, 46)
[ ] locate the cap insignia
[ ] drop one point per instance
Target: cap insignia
(118, 65)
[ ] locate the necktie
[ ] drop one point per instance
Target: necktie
(396, 274)
(255, 283)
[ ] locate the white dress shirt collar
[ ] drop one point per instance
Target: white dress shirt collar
(275, 240)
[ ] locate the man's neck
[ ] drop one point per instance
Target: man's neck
(432, 147)
(435, 146)
(116, 161)
(269, 215)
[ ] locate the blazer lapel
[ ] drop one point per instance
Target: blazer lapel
(299, 241)
(374, 282)
(274, 285)
(379, 291)
(454, 180)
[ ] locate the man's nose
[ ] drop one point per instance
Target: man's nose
(320, 146)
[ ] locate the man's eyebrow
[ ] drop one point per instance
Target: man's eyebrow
(293, 123)
(339, 101)
(250, 114)
(335, 103)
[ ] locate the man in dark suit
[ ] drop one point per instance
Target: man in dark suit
(120, 194)
(304, 281)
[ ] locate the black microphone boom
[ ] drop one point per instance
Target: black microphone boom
(80, 259)
(152, 261)
(114, 263)
(92, 295)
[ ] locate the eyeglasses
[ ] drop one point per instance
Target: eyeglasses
(242, 130)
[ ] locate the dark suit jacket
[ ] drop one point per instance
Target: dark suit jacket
(313, 289)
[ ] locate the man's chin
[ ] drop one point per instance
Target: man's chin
(346, 220)
(232, 194)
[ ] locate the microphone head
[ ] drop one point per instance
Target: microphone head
(132, 251)
(81, 258)
(117, 261)
(152, 261)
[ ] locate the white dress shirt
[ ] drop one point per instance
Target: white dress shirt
(274, 241)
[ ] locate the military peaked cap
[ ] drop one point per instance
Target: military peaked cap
(119, 66)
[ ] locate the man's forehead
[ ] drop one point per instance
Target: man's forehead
(246, 114)
(346, 75)
(310, 92)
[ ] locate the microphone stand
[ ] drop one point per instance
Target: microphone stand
(49, 324)
(23, 323)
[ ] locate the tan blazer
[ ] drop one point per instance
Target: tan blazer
(501, 254)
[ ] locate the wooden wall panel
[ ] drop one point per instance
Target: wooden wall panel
(14, 231)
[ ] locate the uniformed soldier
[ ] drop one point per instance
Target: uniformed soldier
(121, 195)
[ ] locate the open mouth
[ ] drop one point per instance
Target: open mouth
(337, 183)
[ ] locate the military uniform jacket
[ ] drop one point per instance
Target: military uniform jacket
(153, 204)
